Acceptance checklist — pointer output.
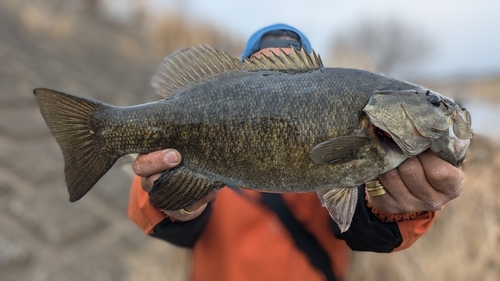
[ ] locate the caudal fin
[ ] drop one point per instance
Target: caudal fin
(72, 121)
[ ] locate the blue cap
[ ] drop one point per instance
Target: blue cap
(253, 43)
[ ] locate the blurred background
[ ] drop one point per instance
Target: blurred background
(108, 50)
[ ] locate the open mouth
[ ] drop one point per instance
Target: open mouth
(385, 140)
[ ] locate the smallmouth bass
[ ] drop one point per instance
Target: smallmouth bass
(282, 123)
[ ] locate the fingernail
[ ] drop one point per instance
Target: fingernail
(171, 157)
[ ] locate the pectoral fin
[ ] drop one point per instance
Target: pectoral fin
(338, 150)
(341, 203)
(180, 187)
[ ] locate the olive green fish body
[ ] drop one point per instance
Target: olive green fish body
(282, 123)
(258, 125)
(268, 126)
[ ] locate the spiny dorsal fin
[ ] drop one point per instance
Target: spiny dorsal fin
(195, 64)
(298, 60)
(190, 65)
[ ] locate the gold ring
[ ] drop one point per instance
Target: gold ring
(375, 188)
(185, 213)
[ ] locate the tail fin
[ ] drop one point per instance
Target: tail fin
(72, 121)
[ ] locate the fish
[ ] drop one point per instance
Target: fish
(278, 123)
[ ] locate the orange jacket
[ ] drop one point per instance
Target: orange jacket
(244, 240)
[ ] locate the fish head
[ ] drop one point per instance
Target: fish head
(416, 120)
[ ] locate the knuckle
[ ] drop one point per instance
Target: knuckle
(441, 173)
(447, 180)
(453, 193)
(409, 171)
(432, 205)
(137, 167)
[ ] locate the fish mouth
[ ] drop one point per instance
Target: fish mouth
(385, 140)
(383, 137)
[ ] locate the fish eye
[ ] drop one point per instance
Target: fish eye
(434, 100)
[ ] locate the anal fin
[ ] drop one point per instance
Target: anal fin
(180, 187)
(341, 204)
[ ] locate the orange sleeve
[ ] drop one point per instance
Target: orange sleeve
(411, 230)
(140, 211)
(411, 225)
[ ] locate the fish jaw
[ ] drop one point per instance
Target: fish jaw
(449, 147)
(454, 147)
(461, 134)
(421, 119)
(417, 145)
(398, 114)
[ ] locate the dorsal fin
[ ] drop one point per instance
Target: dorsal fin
(195, 64)
(187, 66)
(298, 60)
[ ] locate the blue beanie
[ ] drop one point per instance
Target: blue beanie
(253, 43)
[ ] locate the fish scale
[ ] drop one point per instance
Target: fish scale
(282, 123)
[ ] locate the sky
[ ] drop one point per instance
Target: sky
(465, 34)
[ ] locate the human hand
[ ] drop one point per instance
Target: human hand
(149, 167)
(422, 183)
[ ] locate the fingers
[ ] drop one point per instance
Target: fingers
(203, 201)
(419, 195)
(423, 183)
(150, 166)
(185, 217)
(442, 176)
(398, 198)
(197, 208)
(147, 182)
